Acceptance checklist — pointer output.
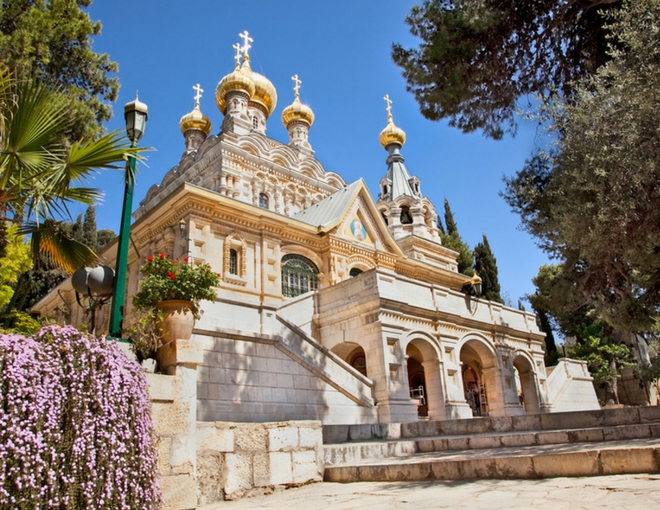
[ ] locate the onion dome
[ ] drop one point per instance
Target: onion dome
(297, 110)
(391, 133)
(264, 91)
(238, 80)
(196, 119)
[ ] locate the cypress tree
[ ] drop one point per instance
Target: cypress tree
(449, 220)
(486, 267)
(89, 236)
(452, 240)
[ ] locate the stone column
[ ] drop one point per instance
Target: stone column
(435, 397)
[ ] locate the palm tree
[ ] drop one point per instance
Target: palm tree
(41, 174)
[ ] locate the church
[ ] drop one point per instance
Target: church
(332, 305)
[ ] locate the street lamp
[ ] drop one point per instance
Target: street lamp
(135, 114)
(473, 286)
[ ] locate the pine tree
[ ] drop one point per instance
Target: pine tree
(486, 267)
(89, 235)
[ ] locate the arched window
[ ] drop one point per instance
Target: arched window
(233, 261)
(263, 200)
(384, 218)
(299, 275)
(354, 272)
(405, 215)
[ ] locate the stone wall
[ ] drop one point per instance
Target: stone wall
(260, 378)
(242, 459)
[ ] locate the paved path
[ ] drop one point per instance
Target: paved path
(620, 492)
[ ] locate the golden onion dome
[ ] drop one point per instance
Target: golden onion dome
(195, 120)
(238, 80)
(264, 91)
(392, 134)
(297, 111)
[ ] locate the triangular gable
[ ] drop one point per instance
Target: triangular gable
(351, 214)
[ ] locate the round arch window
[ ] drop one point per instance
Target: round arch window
(299, 275)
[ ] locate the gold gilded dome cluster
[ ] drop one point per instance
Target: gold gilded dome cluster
(391, 133)
(196, 119)
(258, 88)
(297, 110)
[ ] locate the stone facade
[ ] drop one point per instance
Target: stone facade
(332, 306)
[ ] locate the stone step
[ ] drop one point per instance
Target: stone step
(527, 462)
(333, 434)
(370, 450)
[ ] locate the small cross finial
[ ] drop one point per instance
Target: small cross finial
(237, 57)
(389, 106)
(246, 43)
(297, 82)
(198, 96)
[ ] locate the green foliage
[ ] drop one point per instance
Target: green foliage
(104, 237)
(606, 358)
(452, 228)
(165, 279)
(16, 261)
(89, 234)
(40, 175)
(146, 333)
(485, 265)
(19, 322)
(591, 200)
(476, 58)
(51, 41)
(452, 240)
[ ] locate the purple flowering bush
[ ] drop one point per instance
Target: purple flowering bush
(75, 425)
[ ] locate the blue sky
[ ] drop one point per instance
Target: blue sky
(341, 52)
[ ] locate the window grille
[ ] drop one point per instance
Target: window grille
(299, 275)
(233, 262)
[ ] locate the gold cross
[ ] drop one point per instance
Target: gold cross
(198, 96)
(297, 82)
(389, 105)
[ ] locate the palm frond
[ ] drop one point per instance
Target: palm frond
(50, 239)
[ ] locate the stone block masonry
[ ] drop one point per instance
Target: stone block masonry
(243, 459)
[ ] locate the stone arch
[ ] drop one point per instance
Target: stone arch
(353, 354)
(254, 144)
(359, 262)
(481, 376)
(528, 389)
(424, 371)
(283, 155)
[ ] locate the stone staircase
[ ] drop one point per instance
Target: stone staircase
(608, 441)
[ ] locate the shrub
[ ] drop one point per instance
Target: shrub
(75, 426)
(165, 279)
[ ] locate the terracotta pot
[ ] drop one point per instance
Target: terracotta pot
(178, 321)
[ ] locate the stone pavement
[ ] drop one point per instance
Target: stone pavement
(621, 492)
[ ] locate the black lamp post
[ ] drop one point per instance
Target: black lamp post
(135, 114)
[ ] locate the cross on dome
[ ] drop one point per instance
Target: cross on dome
(198, 96)
(297, 82)
(237, 57)
(246, 42)
(389, 106)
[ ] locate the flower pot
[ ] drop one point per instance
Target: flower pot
(149, 365)
(178, 320)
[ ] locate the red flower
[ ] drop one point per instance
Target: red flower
(171, 275)
(162, 255)
(185, 259)
(150, 258)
